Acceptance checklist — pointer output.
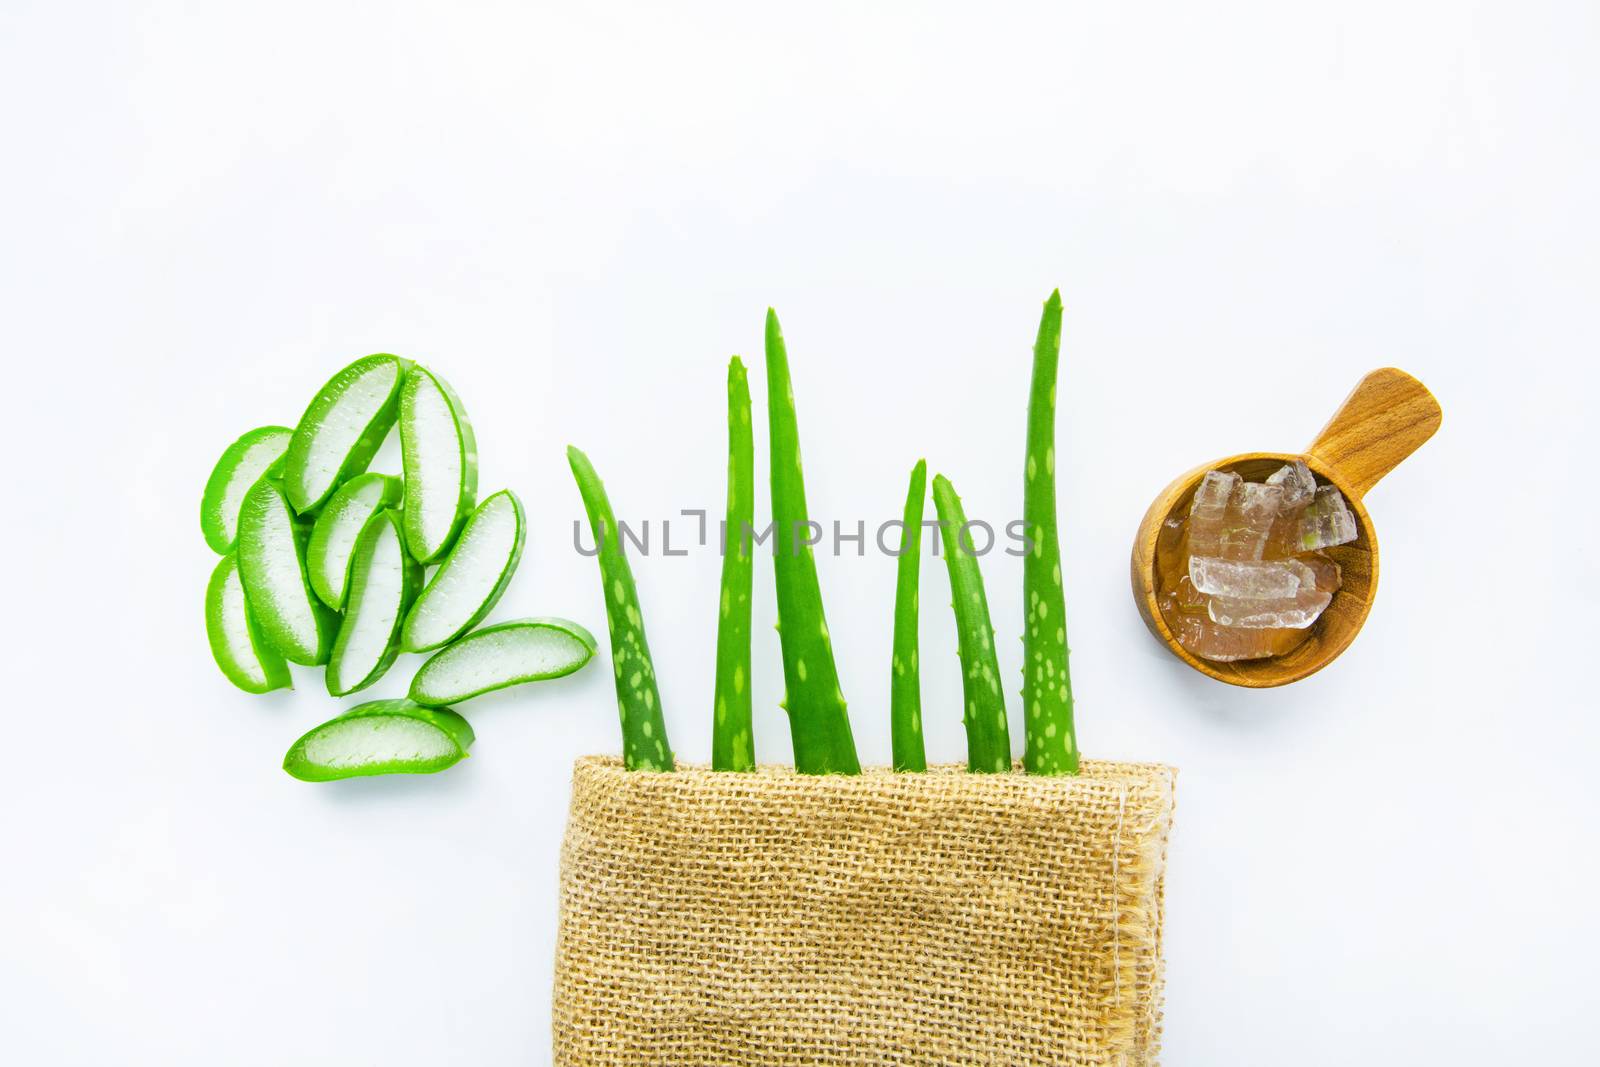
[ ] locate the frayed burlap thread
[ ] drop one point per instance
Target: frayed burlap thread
(782, 919)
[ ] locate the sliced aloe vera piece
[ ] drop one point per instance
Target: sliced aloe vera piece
(383, 583)
(440, 456)
(273, 569)
(472, 578)
(242, 465)
(339, 523)
(244, 656)
(502, 655)
(380, 737)
(342, 429)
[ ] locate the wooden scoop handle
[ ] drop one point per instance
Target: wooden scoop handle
(1386, 418)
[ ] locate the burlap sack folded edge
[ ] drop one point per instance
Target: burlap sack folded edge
(611, 806)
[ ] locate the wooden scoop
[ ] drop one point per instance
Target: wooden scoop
(1386, 418)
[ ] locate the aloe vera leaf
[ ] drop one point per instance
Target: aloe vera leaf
(342, 429)
(988, 736)
(240, 651)
(644, 730)
(339, 523)
(1052, 743)
(905, 682)
(243, 464)
(473, 576)
(819, 722)
(440, 458)
(502, 655)
(732, 747)
(383, 583)
(380, 737)
(272, 565)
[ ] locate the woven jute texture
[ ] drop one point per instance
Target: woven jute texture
(907, 919)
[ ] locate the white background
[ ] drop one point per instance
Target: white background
(577, 216)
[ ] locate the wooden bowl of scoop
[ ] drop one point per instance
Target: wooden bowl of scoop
(1386, 418)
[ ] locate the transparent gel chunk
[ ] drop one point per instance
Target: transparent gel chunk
(1252, 509)
(1296, 612)
(1326, 522)
(1209, 512)
(1226, 644)
(1297, 482)
(1188, 598)
(1182, 598)
(1249, 579)
(1327, 574)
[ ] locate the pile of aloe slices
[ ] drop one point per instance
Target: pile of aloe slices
(327, 564)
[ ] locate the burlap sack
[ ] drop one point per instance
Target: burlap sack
(906, 919)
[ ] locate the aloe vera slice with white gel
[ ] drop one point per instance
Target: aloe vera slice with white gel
(339, 523)
(244, 656)
(473, 576)
(242, 465)
(272, 567)
(383, 583)
(440, 457)
(380, 737)
(342, 429)
(502, 655)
